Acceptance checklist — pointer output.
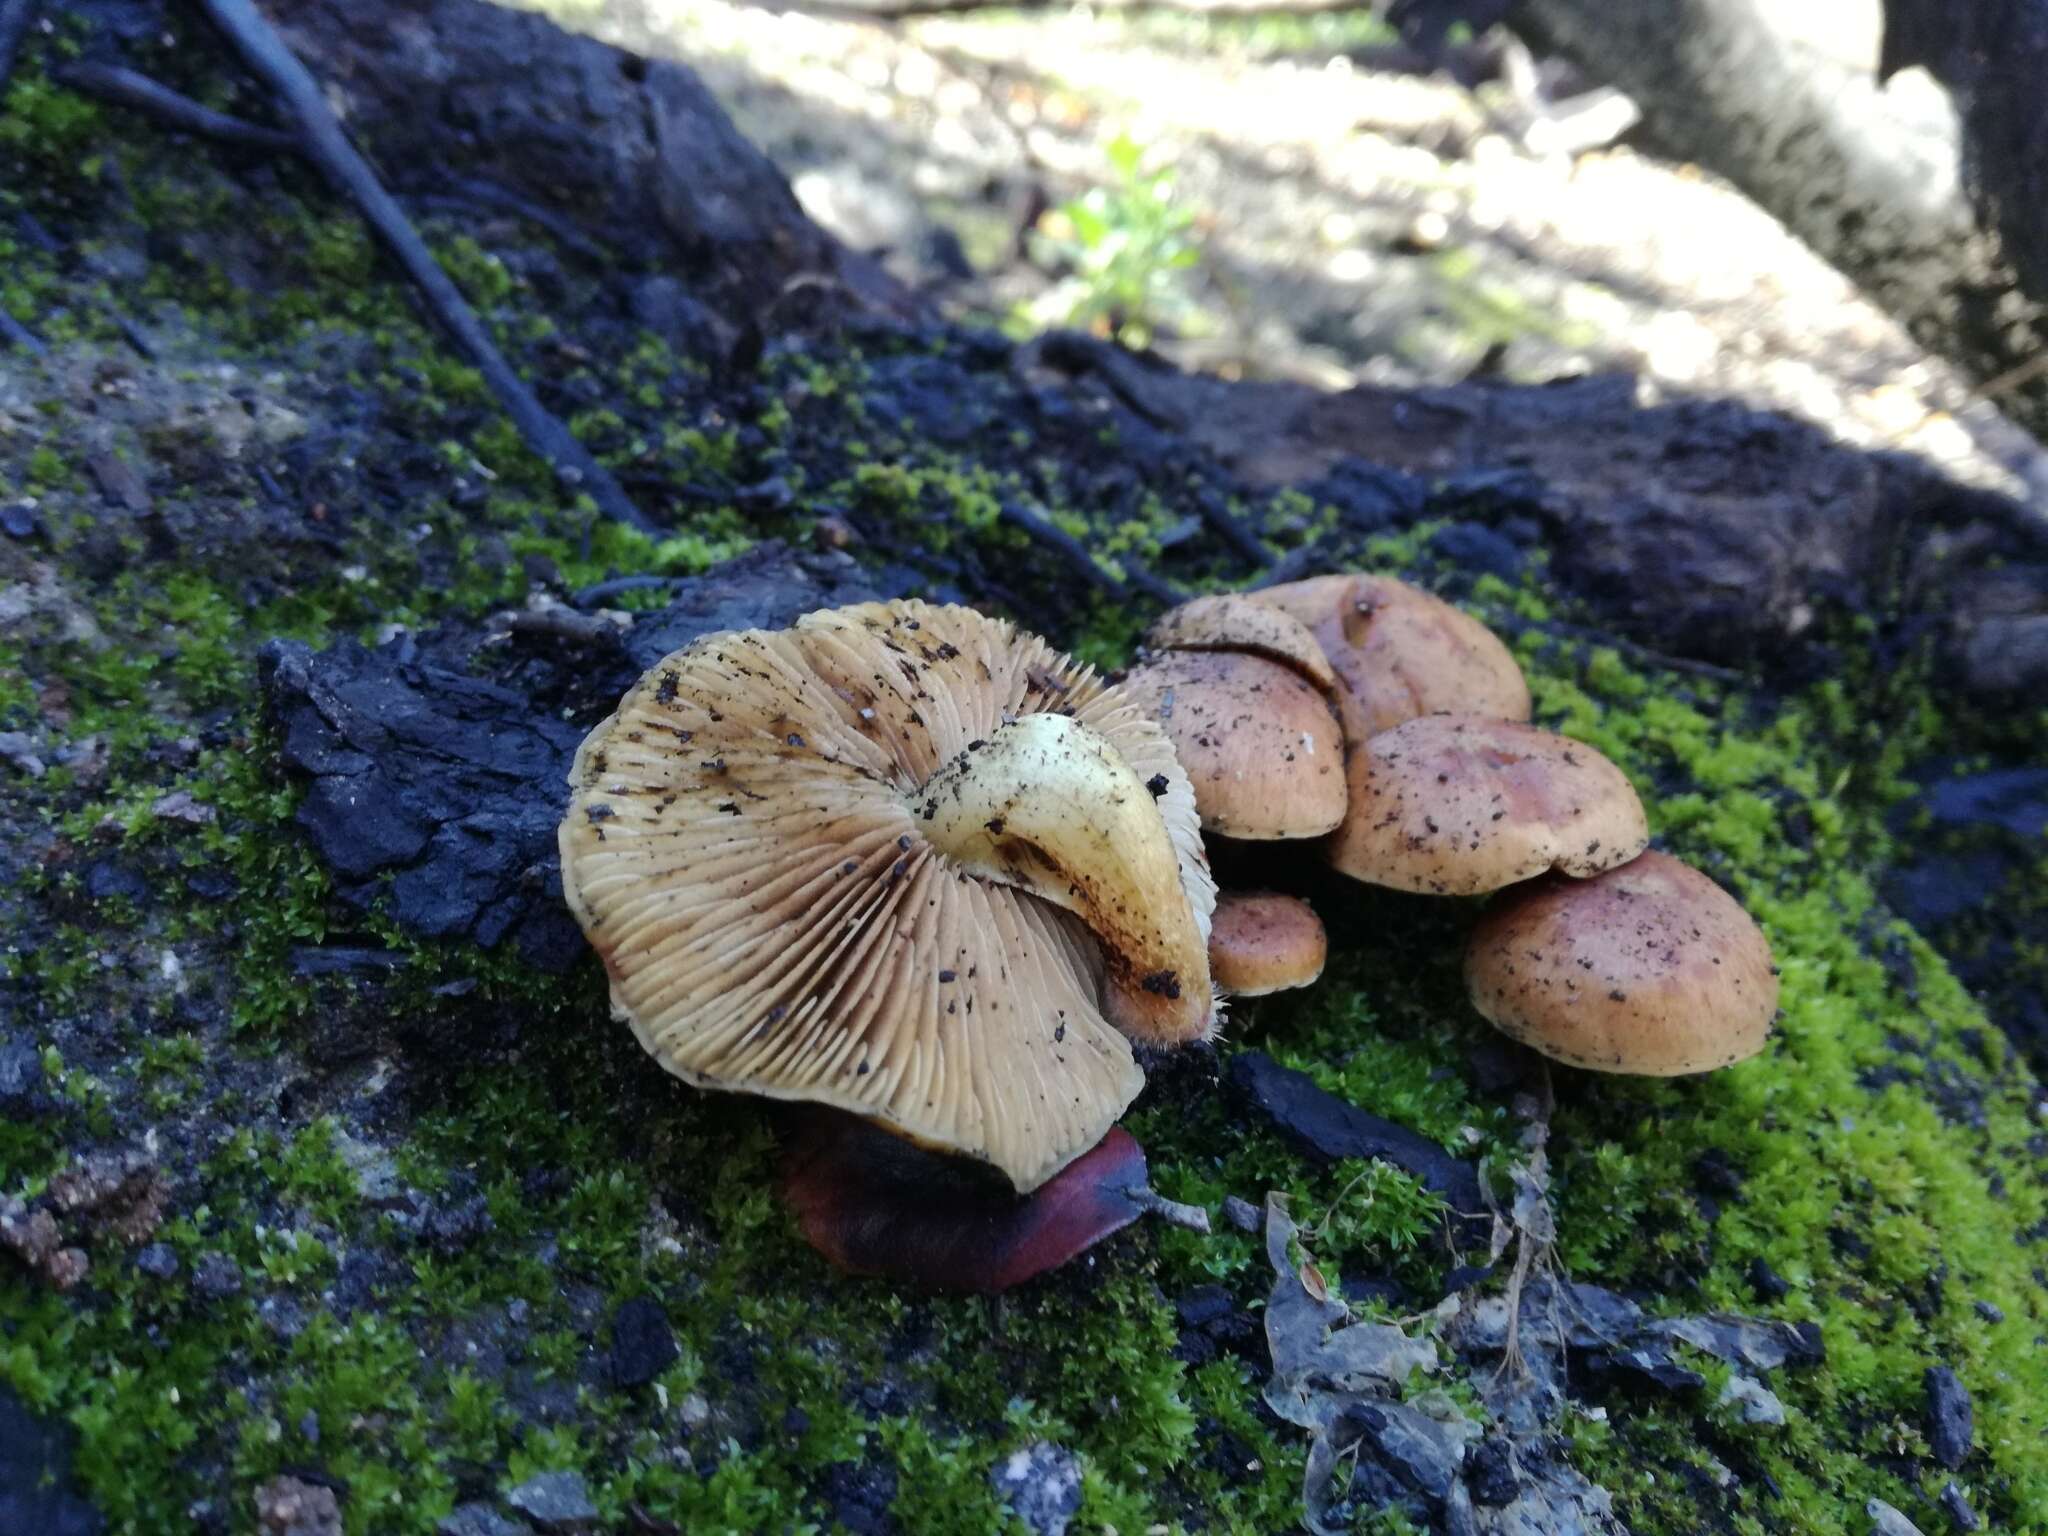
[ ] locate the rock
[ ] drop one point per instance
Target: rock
(439, 791)
(451, 1225)
(1203, 1305)
(554, 1501)
(1490, 1471)
(1768, 1284)
(21, 1078)
(32, 1237)
(859, 1494)
(158, 1260)
(1757, 1403)
(1958, 1508)
(1328, 1128)
(1887, 1521)
(216, 1277)
(18, 751)
(480, 1520)
(1240, 1213)
(1990, 1311)
(643, 1346)
(37, 1497)
(121, 1194)
(1950, 1426)
(1041, 1485)
(181, 805)
(18, 520)
(286, 1506)
(110, 880)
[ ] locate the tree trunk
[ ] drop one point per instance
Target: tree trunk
(1785, 102)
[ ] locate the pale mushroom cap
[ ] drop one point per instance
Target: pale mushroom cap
(1230, 621)
(1258, 740)
(1261, 942)
(745, 848)
(1400, 652)
(1649, 969)
(1458, 805)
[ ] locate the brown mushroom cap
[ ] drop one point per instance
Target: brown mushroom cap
(1458, 805)
(1230, 621)
(1258, 740)
(750, 847)
(1650, 969)
(1260, 942)
(1400, 652)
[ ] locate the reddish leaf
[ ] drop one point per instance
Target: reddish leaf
(876, 1205)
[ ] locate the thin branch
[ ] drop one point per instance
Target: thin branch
(131, 88)
(325, 143)
(1043, 530)
(1192, 1217)
(15, 334)
(604, 591)
(15, 16)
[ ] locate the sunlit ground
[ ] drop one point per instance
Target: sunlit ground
(1269, 198)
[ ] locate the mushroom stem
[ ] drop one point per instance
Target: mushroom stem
(1047, 805)
(1149, 1200)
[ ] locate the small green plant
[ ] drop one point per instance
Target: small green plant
(1124, 246)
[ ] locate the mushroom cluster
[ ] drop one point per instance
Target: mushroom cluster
(1392, 729)
(906, 862)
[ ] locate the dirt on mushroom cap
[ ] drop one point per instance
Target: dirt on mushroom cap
(1458, 805)
(1650, 968)
(1260, 743)
(743, 850)
(1400, 652)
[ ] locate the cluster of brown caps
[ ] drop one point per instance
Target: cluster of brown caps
(906, 861)
(1391, 727)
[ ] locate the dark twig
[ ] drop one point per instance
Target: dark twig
(605, 591)
(15, 15)
(328, 147)
(1629, 648)
(130, 88)
(15, 334)
(474, 192)
(1043, 530)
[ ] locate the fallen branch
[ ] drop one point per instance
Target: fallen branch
(15, 15)
(322, 140)
(17, 335)
(1043, 530)
(605, 591)
(130, 88)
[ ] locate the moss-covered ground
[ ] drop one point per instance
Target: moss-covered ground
(318, 465)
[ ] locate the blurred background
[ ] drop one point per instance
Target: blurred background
(1405, 196)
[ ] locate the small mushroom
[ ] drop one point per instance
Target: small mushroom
(1400, 652)
(1649, 969)
(1258, 740)
(899, 859)
(1458, 805)
(1261, 942)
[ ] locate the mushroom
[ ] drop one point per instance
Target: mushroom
(1261, 942)
(1257, 738)
(1399, 652)
(902, 860)
(1457, 805)
(1650, 969)
(1231, 621)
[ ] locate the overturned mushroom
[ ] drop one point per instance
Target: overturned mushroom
(902, 860)
(1399, 652)
(1261, 942)
(1650, 969)
(1458, 805)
